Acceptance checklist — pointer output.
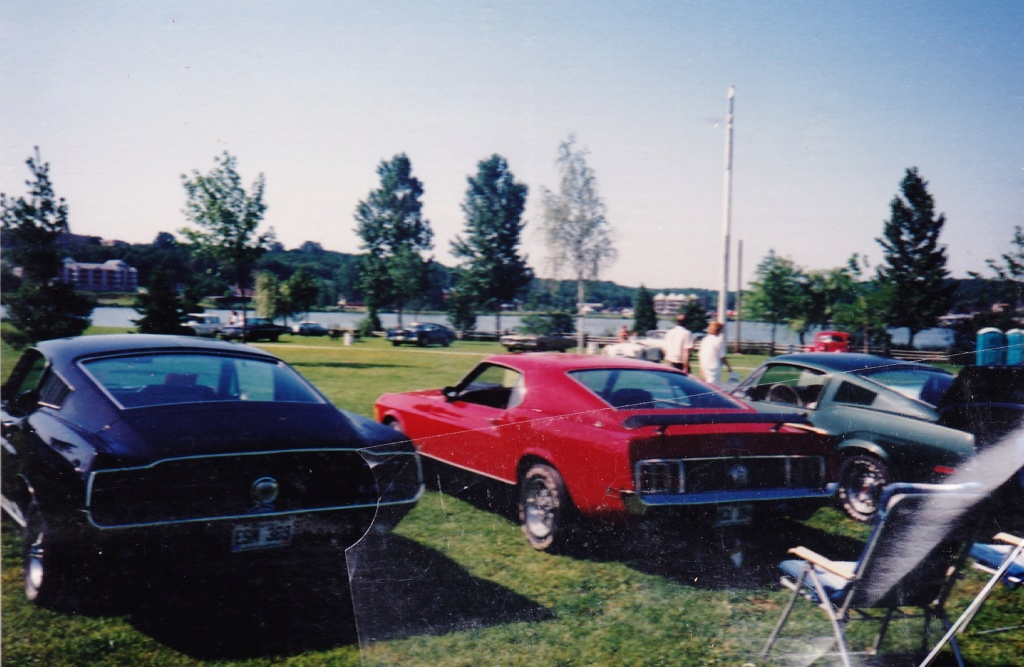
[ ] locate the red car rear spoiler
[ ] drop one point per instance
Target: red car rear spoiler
(664, 421)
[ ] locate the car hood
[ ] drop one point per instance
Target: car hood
(150, 434)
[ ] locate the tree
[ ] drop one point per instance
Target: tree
(301, 291)
(775, 295)
(1009, 268)
(823, 293)
(644, 316)
(394, 232)
(914, 263)
(227, 220)
(43, 306)
(866, 311)
(697, 317)
(162, 310)
(492, 270)
(577, 234)
(461, 308)
(267, 301)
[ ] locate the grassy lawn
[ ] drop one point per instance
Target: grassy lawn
(458, 585)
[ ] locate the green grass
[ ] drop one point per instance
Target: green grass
(469, 591)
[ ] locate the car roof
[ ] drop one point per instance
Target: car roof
(848, 362)
(67, 349)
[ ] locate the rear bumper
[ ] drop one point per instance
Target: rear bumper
(641, 504)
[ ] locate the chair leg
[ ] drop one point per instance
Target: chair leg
(782, 619)
(882, 629)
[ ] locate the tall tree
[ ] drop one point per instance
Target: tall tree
(301, 291)
(914, 264)
(697, 317)
(162, 310)
(227, 220)
(775, 295)
(644, 316)
(492, 271)
(43, 306)
(1009, 268)
(578, 235)
(267, 299)
(394, 232)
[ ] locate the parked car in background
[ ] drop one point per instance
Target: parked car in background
(309, 329)
(119, 448)
(255, 329)
(649, 347)
(830, 341)
(204, 325)
(528, 342)
(598, 437)
(889, 420)
(422, 334)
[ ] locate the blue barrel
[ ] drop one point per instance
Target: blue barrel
(991, 349)
(1015, 347)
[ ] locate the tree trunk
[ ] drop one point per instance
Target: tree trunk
(580, 319)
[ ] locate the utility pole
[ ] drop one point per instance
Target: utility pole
(739, 293)
(723, 293)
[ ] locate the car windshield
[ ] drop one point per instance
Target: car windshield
(642, 389)
(920, 384)
(145, 380)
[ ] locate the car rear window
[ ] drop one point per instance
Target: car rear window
(641, 389)
(146, 380)
(920, 384)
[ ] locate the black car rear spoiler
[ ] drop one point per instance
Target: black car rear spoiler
(666, 420)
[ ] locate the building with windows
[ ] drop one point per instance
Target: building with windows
(113, 275)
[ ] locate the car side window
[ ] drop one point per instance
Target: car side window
(854, 395)
(25, 382)
(494, 386)
(786, 384)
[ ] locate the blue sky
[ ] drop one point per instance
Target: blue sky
(834, 100)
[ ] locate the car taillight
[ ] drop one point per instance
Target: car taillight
(944, 470)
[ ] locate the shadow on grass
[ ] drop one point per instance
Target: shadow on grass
(680, 549)
(263, 607)
(403, 589)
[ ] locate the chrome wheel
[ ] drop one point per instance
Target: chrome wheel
(862, 479)
(543, 507)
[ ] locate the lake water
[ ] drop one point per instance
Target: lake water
(757, 332)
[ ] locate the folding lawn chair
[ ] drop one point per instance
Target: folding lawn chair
(1005, 562)
(918, 543)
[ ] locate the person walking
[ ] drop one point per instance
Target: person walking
(678, 343)
(711, 355)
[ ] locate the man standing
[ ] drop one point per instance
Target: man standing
(678, 343)
(712, 355)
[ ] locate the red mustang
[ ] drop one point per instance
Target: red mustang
(609, 437)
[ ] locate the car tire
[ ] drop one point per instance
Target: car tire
(544, 508)
(273, 339)
(446, 342)
(44, 561)
(395, 343)
(421, 342)
(862, 479)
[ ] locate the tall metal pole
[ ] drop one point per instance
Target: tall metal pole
(723, 293)
(739, 293)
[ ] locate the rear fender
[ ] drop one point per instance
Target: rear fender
(855, 446)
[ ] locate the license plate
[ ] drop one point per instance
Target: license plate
(734, 515)
(262, 534)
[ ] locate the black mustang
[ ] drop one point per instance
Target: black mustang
(116, 447)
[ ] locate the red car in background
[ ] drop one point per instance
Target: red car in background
(601, 437)
(830, 341)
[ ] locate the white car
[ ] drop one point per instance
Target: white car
(649, 347)
(204, 325)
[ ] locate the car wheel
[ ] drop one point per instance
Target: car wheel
(446, 342)
(44, 561)
(862, 479)
(544, 508)
(782, 393)
(394, 343)
(421, 342)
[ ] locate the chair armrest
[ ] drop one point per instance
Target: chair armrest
(1009, 539)
(844, 570)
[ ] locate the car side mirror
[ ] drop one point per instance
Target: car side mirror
(450, 393)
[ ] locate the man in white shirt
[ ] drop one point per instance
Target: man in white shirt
(712, 354)
(678, 343)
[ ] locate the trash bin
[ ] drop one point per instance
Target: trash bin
(591, 348)
(991, 347)
(347, 338)
(1015, 347)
